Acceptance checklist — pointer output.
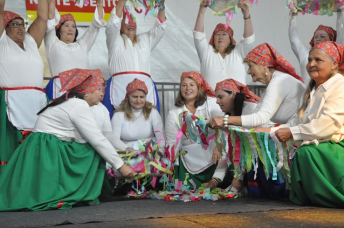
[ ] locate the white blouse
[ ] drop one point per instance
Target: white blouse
(214, 68)
(73, 120)
(20, 67)
(62, 56)
(281, 100)
(102, 117)
(126, 56)
(130, 131)
(302, 51)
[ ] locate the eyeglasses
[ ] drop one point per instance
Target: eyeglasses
(18, 25)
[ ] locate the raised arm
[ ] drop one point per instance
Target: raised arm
(299, 49)
(113, 26)
(199, 26)
(38, 28)
(2, 6)
(339, 27)
(161, 13)
(51, 10)
(248, 28)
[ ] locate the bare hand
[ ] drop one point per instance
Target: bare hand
(127, 171)
(244, 9)
(216, 122)
(262, 129)
(203, 6)
(129, 149)
(211, 184)
(283, 134)
(216, 156)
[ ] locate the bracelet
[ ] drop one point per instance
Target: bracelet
(163, 7)
(246, 18)
(217, 180)
(225, 120)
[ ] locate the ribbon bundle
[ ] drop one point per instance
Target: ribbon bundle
(226, 7)
(81, 3)
(315, 7)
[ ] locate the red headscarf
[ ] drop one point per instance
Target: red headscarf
(65, 17)
(329, 30)
(9, 16)
(335, 51)
(233, 85)
(222, 27)
(266, 55)
(81, 80)
(133, 86)
(200, 81)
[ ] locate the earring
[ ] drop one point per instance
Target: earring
(86, 95)
(266, 73)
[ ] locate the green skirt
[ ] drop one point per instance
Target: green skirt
(317, 175)
(47, 173)
(9, 135)
(182, 174)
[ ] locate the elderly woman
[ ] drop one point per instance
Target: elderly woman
(234, 99)
(317, 172)
(222, 58)
(283, 95)
(137, 120)
(197, 97)
(321, 34)
(129, 55)
(63, 50)
(21, 76)
(56, 172)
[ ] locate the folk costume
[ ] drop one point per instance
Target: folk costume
(21, 90)
(53, 168)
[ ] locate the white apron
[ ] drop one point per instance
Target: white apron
(121, 80)
(23, 104)
(57, 87)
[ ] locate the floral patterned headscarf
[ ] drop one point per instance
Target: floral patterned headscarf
(266, 55)
(200, 81)
(329, 30)
(233, 85)
(65, 17)
(335, 51)
(133, 86)
(9, 16)
(222, 27)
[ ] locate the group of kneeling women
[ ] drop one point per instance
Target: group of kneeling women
(52, 168)
(61, 163)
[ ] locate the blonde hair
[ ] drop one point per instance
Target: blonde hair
(126, 108)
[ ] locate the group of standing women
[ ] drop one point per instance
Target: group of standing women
(72, 140)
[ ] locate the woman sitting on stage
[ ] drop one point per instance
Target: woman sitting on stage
(63, 50)
(317, 174)
(137, 120)
(234, 99)
(51, 170)
(283, 94)
(197, 97)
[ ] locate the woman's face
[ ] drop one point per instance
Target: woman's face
(16, 30)
(320, 36)
(128, 29)
(320, 66)
(95, 97)
(189, 89)
(68, 32)
(225, 100)
(222, 40)
(257, 72)
(137, 99)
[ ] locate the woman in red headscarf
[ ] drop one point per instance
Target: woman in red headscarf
(21, 76)
(321, 34)
(63, 50)
(52, 169)
(283, 95)
(197, 97)
(317, 174)
(137, 119)
(222, 58)
(234, 99)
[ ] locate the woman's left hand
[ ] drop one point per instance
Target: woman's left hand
(244, 9)
(211, 184)
(216, 122)
(283, 134)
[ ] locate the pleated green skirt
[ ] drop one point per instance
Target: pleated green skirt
(182, 174)
(9, 135)
(47, 173)
(317, 175)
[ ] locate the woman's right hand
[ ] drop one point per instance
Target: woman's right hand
(127, 171)
(203, 6)
(211, 184)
